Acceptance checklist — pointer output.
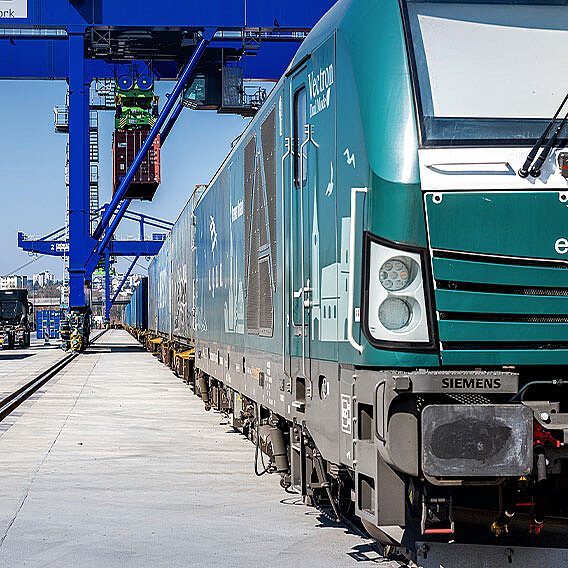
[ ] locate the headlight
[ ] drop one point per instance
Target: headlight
(395, 274)
(396, 307)
(395, 313)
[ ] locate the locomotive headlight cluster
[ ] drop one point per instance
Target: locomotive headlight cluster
(395, 273)
(395, 311)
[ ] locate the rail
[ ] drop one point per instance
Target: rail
(9, 403)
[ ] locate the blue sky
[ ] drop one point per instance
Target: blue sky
(32, 159)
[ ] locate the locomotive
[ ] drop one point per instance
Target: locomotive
(371, 291)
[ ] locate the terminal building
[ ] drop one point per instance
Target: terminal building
(10, 282)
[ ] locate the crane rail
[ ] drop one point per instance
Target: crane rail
(9, 403)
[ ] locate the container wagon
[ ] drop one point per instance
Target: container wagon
(377, 298)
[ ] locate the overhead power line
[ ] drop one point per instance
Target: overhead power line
(13, 272)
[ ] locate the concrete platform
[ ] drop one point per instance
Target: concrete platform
(118, 464)
(18, 366)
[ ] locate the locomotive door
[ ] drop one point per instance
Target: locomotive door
(299, 290)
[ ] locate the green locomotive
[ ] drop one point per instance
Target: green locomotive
(374, 292)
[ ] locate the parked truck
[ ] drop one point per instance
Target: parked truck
(15, 325)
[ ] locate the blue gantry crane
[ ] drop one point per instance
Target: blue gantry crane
(223, 42)
(56, 243)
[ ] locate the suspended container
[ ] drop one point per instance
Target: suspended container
(125, 146)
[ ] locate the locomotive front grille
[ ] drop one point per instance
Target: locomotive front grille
(501, 310)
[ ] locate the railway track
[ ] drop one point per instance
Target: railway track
(9, 403)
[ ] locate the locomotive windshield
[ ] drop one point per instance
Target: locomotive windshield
(486, 73)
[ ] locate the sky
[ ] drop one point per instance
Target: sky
(32, 165)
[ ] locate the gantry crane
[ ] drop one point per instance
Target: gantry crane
(220, 44)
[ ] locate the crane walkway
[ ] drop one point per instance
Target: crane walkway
(116, 463)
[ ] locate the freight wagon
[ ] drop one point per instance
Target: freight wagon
(171, 283)
(373, 294)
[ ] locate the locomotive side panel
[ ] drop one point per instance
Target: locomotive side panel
(242, 321)
(238, 265)
(314, 264)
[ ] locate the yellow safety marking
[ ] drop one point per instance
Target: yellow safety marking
(187, 354)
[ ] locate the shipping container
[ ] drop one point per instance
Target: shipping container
(164, 288)
(140, 305)
(171, 280)
(136, 312)
(47, 321)
(160, 291)
(126, 318)
(125, 146)
(152, 303)
(182, 243)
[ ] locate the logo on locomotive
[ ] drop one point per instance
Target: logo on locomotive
(470, 383)
(320, 89)
(561, 246)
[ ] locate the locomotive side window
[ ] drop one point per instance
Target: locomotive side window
(300, 119)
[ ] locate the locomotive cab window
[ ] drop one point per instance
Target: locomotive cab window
(300, 119)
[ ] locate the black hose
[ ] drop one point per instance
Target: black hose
(333, 505)
(550, 382)
(266, 469)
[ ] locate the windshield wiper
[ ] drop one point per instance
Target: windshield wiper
(524, 171)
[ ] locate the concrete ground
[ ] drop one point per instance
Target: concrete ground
(116, 463)
(18, 366)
